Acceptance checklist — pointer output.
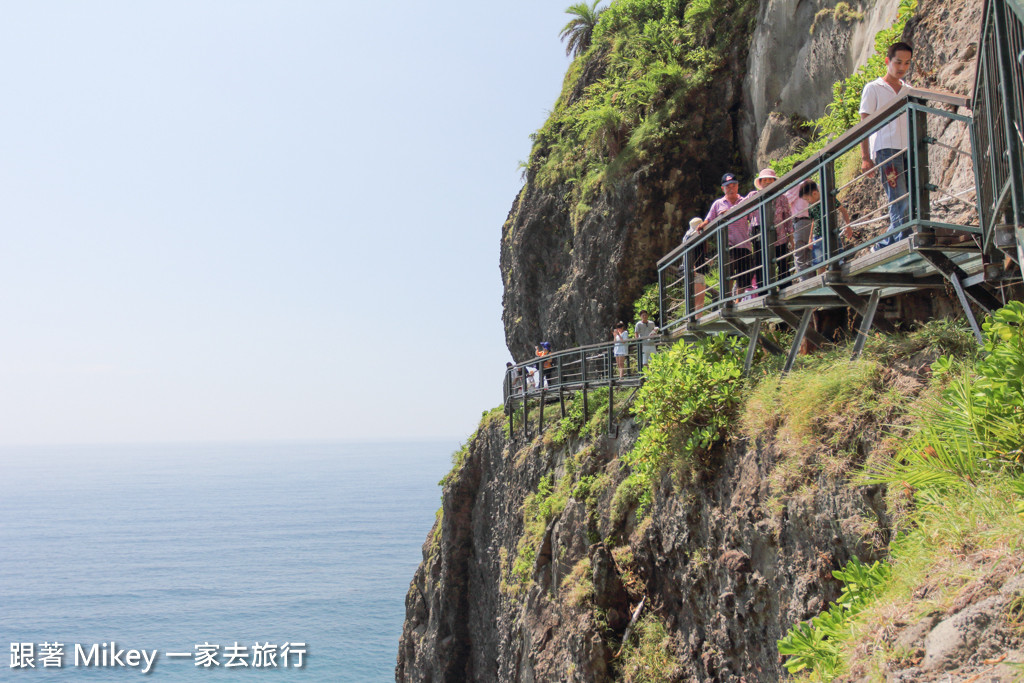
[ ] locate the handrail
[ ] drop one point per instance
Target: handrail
(742, 269)
(858, 132)
(579, 354)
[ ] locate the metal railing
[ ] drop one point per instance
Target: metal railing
(544, 379)
(998, 106)
(759, 247)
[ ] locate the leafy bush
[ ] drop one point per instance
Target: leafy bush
(651, 54)
(814, 645)
(572, 425)
(976, 428)
(649, 301)
(650, 660)
(687, 404)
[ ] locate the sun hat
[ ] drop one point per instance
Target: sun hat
(695, 221)
(767, 173)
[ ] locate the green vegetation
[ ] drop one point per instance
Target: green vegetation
(814, 644)
(650, 659)
(579, 32)
(539, 509)
(844, 110)
(686, 404)
(578, 587)
(544, 505)
(572, 424)
(841, 12)
(458, 460)
(650, 55)
(649, 300)
(816, 416)
(955, 489)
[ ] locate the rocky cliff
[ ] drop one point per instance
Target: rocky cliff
(568, 276)
(723, 565)
(726, 576)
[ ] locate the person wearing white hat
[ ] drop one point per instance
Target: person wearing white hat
(699, 257)
(783, 221)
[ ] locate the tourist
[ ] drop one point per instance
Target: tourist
(814, 211)
(645, 329)
(741, 251)
(515, 377)
(620, 334)
(886, 148)
(546, 367)
(802, 226)
(783, 221)
(698, 260)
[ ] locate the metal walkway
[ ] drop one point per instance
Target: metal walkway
(953, 216)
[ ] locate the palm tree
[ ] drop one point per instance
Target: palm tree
(580, 29)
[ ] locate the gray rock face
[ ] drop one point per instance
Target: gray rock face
(568, 279)
(725, 578)
(954, 640)
(790, 71)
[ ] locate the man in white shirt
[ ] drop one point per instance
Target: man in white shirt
(646, 329)
(886, 148)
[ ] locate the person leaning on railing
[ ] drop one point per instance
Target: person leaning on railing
(741, 252)
(886, 147)
(699, 261)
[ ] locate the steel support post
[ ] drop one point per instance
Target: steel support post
(1010, 115)
(801, 330)
(860, 304)
(611, 392)
(966, 305)
(793, 321)
(755, 332)
(540, 414)
(771, 233)
(917, 158)
(687, 284)
(561, 392)
(867, 319)
(830, 213)
(526, 417)
(722, 240)
(583, 379)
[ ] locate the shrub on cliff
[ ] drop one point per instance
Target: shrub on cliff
(687, 403)
(645, 58)
(955, 491)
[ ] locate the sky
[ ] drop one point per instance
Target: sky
(254, 220)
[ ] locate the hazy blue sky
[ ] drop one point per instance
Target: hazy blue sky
(254, 219)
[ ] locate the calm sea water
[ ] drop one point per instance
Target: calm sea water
(169, 547)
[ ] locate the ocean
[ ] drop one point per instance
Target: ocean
(226, 553)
